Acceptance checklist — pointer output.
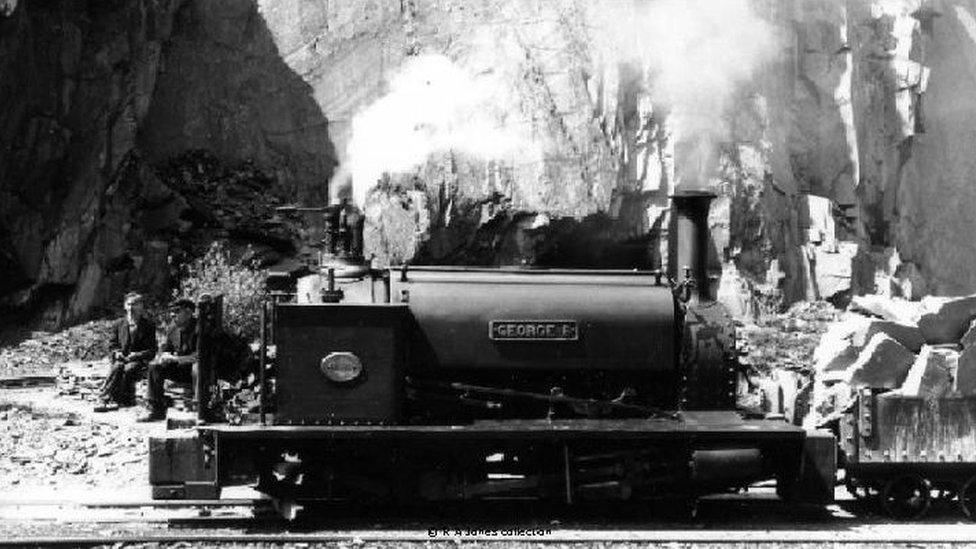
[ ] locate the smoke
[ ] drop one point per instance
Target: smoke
(433, 105)
(696, 53)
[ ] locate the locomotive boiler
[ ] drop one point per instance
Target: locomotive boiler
(422, 384)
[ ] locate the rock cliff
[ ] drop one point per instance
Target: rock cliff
(837, 135)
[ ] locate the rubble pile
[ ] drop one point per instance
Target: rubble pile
(45, 352)
(785, 341)
(83, 380)
(777, 352)
(39, 448)
(924, 349)
(233, 202)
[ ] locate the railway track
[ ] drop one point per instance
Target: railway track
(749, 521)
(405, 537)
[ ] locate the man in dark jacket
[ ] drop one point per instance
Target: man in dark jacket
(177, 359)
(134, 344)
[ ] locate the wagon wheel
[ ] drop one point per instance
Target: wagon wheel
(907, 497)
(967, 498)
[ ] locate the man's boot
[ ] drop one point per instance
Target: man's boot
(105, 405)
(153, 414)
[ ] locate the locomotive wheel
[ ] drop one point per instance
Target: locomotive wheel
(967, 498)
(907, 497)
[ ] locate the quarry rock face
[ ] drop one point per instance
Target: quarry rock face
(96, 99)
(854, 138)
(75, 82)
(934, 187)
(225, 85)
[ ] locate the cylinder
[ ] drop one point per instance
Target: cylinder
(688, 235)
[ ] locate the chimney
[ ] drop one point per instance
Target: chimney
(688, 240)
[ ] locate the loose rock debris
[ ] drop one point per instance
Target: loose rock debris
(53, 447)
(44, 352)
(39, 448)
(777, 351)
(786, 341)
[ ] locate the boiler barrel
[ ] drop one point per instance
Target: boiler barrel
(523, 319)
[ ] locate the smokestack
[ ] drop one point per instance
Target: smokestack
(342, 248)
(688, 240)
(343, 242)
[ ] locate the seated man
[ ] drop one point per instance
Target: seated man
(177, 360)
(134, 344)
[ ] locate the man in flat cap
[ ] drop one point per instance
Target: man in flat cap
(134, 344)
(177, 360)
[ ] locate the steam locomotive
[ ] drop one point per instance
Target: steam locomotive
(428, 384)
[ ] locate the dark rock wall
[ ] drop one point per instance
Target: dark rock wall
(223, 86)
(95, 98)
(76, 79)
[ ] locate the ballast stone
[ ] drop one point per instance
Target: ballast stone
(948, 320)
(883, 364)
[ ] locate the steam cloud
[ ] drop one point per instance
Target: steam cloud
(695, 54)
(434, 105)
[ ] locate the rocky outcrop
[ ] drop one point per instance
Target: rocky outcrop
(75, 80)
(934, 225)
(223, 85)
(95, 100)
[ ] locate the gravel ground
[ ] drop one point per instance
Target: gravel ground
(45, 448)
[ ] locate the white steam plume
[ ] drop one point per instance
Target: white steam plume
(433, 105)
(697, 53)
